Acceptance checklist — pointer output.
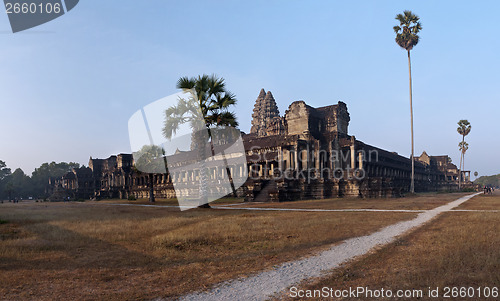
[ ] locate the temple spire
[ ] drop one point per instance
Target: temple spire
(265, 115)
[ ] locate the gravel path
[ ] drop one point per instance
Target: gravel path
(262, 286)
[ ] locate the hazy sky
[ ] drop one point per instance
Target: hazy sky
(68, 87)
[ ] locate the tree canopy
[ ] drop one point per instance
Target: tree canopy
(493, 180)
(4, 171)
(5, 175)
(464, 127)
(407, 30)
(149, 159)
(20, 185)
(213, 101)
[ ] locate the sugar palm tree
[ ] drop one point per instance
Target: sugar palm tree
(463, 129)
(407, 37)
(463, 147)
(214, 102)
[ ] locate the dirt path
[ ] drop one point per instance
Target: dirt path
(268, 283)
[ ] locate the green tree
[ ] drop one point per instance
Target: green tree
(21, 184)
(214, 101)
(40, 177)
(4, 171)
(463, 129)
(5, 174)
(492, 181)
(476, 174)
(407, 38)
(9, 188)
(150, 159)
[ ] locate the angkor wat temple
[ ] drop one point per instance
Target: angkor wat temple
(305, 154)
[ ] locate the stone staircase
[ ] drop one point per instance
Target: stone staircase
(263, 191)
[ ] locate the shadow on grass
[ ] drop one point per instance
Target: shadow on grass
(73, 250)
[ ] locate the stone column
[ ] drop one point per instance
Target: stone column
(280, 159)
(360, 160)
(289, 157)
(316, 157)
(306, 157)
(329, 161)
(295, 158)
(353, 157)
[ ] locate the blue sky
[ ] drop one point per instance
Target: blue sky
(68, 87)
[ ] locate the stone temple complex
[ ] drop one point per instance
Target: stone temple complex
(307, 153)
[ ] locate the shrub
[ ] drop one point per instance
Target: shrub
(131, 198)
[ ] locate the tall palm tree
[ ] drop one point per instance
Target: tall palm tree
(463, 147)
(463, 129)
(407, 37)
(214, 102)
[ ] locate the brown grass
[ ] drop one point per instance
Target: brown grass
(421, 201)
(483, 202)
(167, 202)
(459, 249)
(95, 251)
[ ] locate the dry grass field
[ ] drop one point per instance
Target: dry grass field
(421, 201)
(458, 249)
(482, 202)
(99, 251)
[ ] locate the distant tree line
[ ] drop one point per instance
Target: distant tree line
(17, 185)
(492, 181)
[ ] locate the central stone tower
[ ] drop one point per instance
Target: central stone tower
(266, 120)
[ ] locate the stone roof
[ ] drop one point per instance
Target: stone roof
(325, 111)
(251, 141)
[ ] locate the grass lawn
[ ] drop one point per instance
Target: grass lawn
(458, 249)
(483, 202)
(96, 251)
(166, 202)
(89, 251)
(421, 201)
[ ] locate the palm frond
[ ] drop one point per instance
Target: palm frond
(400, 18)
(228, 119)
(213, 100)
(185, 83)
(406, 32)
(464, 127)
